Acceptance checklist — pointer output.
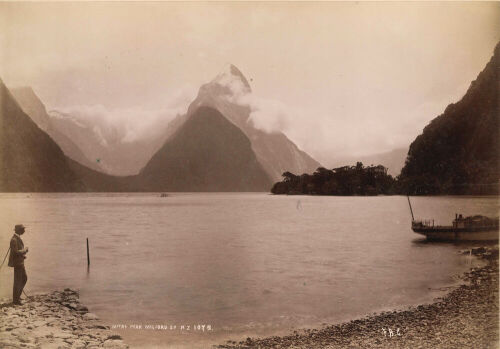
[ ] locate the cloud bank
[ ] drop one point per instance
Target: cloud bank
(339, 132)
(128, 125)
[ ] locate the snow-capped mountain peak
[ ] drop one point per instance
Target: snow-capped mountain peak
(234, 79)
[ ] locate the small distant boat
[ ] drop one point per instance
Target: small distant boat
(472, 228)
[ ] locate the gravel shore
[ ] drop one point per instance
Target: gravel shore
(467, 317)
(55, 320)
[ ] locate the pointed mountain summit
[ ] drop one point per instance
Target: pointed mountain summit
(274, 151)
(207, 153)
(30, 161)
(232, 73)
(220, 94)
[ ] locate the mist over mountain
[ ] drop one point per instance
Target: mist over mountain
(200, 150)
(30, 161)
(230, 93)
(206, 153)
(35, 109)
(224, 143)
(120, 141)
(459, 151)
(105, 144)
(197, 135)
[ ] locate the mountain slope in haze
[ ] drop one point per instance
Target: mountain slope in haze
(30, 161)
(33, 106)
(206, 153)
(458, 152)
(275, 152)
(393, 160)
(95, 181)
(107, 145)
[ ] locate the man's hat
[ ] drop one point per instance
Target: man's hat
(18, 227)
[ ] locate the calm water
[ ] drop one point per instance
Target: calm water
(246, 264)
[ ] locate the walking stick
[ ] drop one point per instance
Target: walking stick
(5, 257)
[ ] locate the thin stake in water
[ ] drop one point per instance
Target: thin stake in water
(88, 256)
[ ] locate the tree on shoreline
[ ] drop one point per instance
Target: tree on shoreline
(346, 180)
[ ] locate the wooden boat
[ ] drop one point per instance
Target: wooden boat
(472, 228)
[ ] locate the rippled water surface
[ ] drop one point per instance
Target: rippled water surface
(246, 264)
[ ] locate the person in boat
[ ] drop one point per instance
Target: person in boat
(16, 260)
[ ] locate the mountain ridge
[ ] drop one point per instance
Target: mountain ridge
(458, 151)
(31, 104)
(206, 153)
(275, 151)
(30, 161)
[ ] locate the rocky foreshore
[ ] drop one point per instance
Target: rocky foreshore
(466, 317)
(55, 320)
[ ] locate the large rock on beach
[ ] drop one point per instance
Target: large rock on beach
(55, 320)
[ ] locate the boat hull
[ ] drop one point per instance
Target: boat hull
(459, 235)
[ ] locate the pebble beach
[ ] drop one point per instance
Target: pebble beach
(466, 317)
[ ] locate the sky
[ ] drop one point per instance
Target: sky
(340, 79)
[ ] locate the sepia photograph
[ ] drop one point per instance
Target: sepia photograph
(249, 174)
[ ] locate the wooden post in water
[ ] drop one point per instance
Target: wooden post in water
(88, 256)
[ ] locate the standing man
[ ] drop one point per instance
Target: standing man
(16, 260)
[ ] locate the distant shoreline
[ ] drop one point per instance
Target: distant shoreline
(169, 193)
(465, 317)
